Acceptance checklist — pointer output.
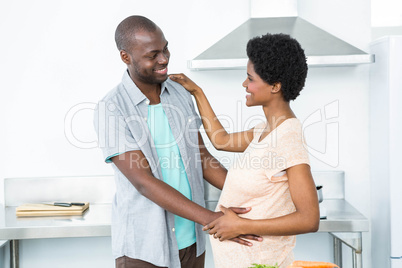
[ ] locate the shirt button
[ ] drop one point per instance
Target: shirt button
(147, 101)
(145, 118)
(173, 229)
(189, 120)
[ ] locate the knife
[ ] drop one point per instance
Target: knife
(63, 204)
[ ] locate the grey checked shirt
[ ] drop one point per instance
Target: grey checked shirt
(140, 228)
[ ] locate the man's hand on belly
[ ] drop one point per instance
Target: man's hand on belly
(228, 226)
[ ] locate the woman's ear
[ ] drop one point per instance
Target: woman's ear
(125, 57)
(276, 87)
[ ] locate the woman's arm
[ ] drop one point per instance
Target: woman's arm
(221, 140)
(305, 219)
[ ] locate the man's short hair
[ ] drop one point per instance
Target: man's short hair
(125, 31)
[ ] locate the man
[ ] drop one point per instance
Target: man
(148, 129)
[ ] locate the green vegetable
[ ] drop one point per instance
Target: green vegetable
(255, 265)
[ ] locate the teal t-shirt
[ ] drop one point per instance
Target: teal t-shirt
(172, 167)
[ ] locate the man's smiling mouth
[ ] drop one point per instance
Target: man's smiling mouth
(161, 71)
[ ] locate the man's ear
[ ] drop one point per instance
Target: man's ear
(125, 57)
(276, 88)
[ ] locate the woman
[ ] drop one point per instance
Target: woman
(273, 175)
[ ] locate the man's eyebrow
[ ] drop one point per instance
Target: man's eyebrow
(157, 50)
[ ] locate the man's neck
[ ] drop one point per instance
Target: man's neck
(152, 92)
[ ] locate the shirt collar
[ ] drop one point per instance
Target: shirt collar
(134, 92)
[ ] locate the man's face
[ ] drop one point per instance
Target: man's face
(149, 58)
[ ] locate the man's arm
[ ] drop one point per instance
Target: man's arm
(136, 168)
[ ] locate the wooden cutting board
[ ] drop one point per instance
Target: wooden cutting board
(49, 210)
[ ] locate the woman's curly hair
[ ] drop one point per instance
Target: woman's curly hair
(279, 58)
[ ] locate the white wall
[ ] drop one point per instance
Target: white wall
(386, 13)
(59, 54)
(348, 20)
(386, 18)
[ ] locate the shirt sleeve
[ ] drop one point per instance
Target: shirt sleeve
(114, 136)
(289, 151)
(195, 114)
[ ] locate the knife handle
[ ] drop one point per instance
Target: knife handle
(78, 204)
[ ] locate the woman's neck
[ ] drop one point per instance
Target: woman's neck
(276, 113)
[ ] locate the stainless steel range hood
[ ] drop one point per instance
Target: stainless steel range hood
(321, 48)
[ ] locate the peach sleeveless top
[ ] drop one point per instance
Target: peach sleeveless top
(258, 179)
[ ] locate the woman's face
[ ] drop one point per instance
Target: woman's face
(259, 91)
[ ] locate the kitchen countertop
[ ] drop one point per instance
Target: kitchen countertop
(341, 217)
(94, 222)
